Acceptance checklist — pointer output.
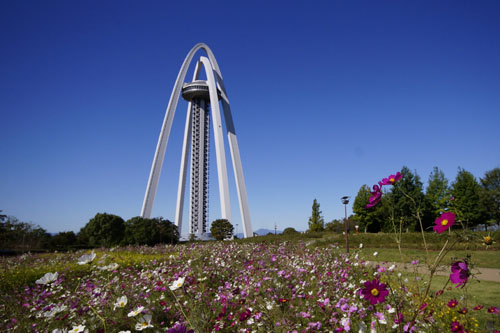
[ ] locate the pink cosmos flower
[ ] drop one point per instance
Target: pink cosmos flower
(374, 291)
(452, 303)
(376, 196)
(179, 328)
(456, 327)
(478, 307)
(494, 310)
(444, 222)
(459, 273)
(392, 179)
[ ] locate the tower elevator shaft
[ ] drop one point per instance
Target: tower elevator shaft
(200, 143)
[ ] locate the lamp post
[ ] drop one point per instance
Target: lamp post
(345, 201)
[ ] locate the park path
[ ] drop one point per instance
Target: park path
(482, 274)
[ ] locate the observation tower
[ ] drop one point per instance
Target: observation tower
(203, 109)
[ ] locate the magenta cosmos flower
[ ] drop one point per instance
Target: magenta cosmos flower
(459, 273)
(494, 310)
(376, 196)
(374, 291)
(392, 179)
(444, 222)
(456, 327)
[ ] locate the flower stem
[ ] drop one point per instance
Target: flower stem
(417, 208)
(97, 314)
(183, 313)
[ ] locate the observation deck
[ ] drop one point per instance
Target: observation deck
(197, 90)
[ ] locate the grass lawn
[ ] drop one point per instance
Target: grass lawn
(487, 259)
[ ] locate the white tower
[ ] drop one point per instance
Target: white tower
(202, 96)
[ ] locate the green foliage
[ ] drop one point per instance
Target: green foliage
(290, 231)
(103, 229)
(316, 221)
(221, 229)
(63, 241)
(21, 236)
(143, 231)
(437, 193)
(490, 194)
(467, 202)
(408, 197)
(335, 226)
(370, 219)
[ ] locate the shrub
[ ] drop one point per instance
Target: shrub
(102, 230)
(290, 231)
(143, 231)
(221, 229)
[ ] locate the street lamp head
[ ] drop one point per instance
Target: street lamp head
(345, 200)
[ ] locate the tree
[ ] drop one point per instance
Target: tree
(290, 231)
(316, 221)
(408, 197)
(370, 219)
(22, 236)
(335, 226)
(221, 229)
(103, 230)
(437, 193)
(144, 231)
(490, 194)
(168, 232)
(63, 241)
(466, 202)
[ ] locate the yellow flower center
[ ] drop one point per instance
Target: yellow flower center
(122, 303)
(374, 292)
(392, 180)
(444, 222)
(487, 240)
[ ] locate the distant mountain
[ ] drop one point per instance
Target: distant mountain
(263, 232)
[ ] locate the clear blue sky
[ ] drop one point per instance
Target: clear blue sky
(326, 96)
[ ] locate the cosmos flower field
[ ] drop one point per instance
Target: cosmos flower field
(221, 286)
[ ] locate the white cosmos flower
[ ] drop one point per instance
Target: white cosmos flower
(110, 267)
(362, 327)
(143, 323)
(124, 332)
(55, 310)
(57, 330)
(135, 312)
(47, 278)
(392, 267)
(177, 283)
(375, 253)
(120, 302)
(86, 258)
(360, 245)
(77, 329)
